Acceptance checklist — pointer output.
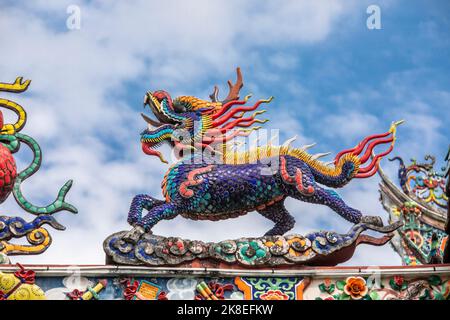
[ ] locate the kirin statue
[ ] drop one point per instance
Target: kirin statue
(211, 181)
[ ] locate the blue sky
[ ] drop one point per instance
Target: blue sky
(334, 81)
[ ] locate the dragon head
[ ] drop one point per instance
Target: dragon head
(204, 123)
(160, 130)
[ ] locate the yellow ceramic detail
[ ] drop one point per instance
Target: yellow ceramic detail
(16, 87)
(39, 238)
(11, 286)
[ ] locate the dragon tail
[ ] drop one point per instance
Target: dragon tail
(358, 162)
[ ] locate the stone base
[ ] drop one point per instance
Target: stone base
(324, 248)
(103, 282)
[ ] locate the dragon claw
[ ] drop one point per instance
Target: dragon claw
(134, 234)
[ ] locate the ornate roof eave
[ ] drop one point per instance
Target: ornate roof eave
(447, 158)
(396, 196)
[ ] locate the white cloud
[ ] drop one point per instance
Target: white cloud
(350, 127)
(81, 112)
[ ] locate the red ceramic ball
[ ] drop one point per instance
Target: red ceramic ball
(8, 172)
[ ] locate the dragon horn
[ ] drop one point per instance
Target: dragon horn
(304, 148)
(289, 141)
(320, 155)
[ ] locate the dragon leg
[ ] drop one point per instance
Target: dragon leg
(164, 211)
(138, 204)
(331, 199)
(282, 218)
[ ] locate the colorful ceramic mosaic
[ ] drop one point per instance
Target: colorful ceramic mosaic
(396, 288)
(272, 288)
(211, 181)
(446, 253)
(142, 290)
(322, 247)
(404, 283)
(212, 290)
(422, 181)
(11, 139)
(20, 285)
(419, 205)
